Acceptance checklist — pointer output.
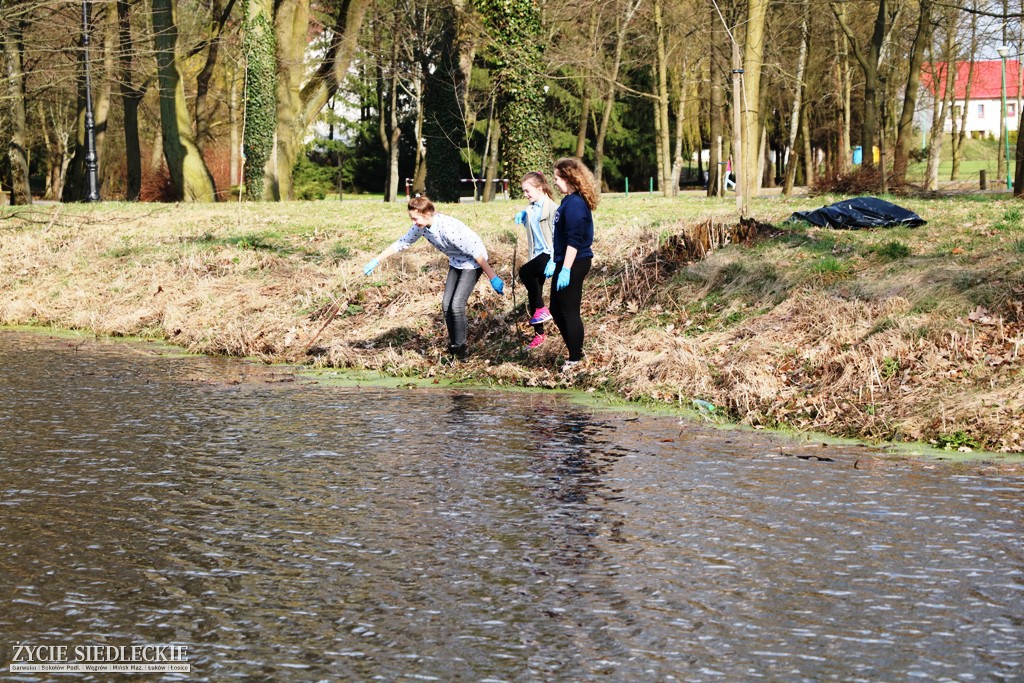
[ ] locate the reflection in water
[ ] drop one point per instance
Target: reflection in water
(284, 531)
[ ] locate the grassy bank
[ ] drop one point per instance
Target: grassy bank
(899, 334)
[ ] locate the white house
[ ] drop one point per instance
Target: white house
(984, 109)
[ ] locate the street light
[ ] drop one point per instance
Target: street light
(91, 164)
(1003, 52)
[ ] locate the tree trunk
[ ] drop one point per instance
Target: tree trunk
(680, 111)
(1018, 152)
(845, 90)
(57, 141)
(663, 127)
(419, 176)
(514, 26)
(622, 26)
(946, 65)
(869, 65)
(443, 125)
(798, 97)
(260, 96)
(204, 110)
(717, 67)
(103, 96)
(235, 138)
(883, 152)
(959, 138)
(1000, 154)
(131, 97)
(75, 184)
(493, 150)
(586, 104)
(901, 155)
(332, 71)
(581, 131)
(738, 161)
(17, 148)
(810, 170)
(387, 89)
(291, 22)
(189, 175)
(752, 60)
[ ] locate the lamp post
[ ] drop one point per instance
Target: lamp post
(91, 164)
(1003, 52)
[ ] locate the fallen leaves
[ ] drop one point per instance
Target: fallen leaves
(982, 316)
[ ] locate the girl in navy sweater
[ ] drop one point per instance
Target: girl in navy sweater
(573, 237)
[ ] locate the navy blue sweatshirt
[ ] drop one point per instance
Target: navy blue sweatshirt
(574, 227)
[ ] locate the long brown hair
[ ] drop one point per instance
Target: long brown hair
(579, 176)
(537, 179)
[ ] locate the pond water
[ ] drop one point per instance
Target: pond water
(287, 531)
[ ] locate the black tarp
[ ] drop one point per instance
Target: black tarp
(860, 212)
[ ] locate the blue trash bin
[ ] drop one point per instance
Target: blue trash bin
(858, 155)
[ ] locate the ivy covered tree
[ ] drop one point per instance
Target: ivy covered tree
(260, 94)
(515, 30)
(444, 121)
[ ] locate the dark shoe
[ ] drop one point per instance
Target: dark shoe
(460, 352)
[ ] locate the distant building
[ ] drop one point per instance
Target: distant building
(985, 106)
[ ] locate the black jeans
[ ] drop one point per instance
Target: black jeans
(457, 288)
(565, 306)
(532, 277)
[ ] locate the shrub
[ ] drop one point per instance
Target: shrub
(955, 441)
(312, 180)
(830, 265)
(863, 180)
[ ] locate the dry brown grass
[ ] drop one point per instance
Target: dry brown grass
(796, 327)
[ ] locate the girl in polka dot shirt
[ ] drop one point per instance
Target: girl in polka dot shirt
(467, 257)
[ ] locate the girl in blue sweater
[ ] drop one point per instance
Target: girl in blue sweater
(536, 219)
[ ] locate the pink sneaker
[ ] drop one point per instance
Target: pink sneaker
(537, 341)
(542, 315)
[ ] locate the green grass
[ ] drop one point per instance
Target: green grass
(976, 156)
(893, 250)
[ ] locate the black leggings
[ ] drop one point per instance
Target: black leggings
(565, 306)
(532, 277)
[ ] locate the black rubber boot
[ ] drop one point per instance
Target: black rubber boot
(460, 352)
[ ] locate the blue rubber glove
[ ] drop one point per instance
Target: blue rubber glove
(521, 217)
(549, 269)
(563, 279)
(498, 284)
(368, 268)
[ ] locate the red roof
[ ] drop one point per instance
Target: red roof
(988, 79)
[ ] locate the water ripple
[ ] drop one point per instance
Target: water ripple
(285, 531)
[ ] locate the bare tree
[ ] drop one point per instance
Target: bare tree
(17, 147)
(921, 42)
(798, 95)
(190, 176)
(757, 13)
(869, 58)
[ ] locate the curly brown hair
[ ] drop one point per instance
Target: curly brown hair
(579, 177)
